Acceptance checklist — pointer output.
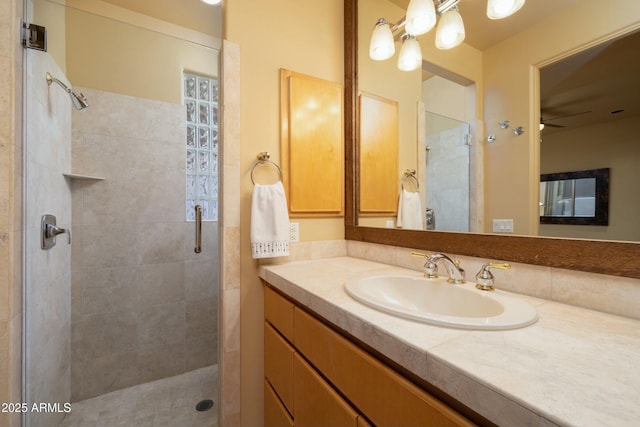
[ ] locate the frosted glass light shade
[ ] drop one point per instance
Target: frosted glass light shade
(212, 2)
(450, 32)
(498, 9)
(421, 17)
(410, 57)
(382, 45)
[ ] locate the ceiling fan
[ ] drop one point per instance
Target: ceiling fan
(545, 122)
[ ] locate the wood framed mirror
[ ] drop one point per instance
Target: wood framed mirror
(605, 257)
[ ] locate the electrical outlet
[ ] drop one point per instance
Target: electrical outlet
(294, 232)
(503, 226)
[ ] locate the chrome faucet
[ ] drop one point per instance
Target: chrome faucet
(455, 272)
(484, 278)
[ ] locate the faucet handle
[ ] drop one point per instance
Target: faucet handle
(430, 267)
(485, 278)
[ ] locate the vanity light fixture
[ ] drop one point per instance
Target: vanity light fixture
(421, 17)
(410, 56)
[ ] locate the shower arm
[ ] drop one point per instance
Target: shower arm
(51, 79)
(79, 101)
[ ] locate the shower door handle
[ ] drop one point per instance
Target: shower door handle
(198, 247)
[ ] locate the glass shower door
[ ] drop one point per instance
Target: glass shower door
(128, 301)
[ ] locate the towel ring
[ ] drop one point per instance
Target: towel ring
(410, 174)
(263, 158)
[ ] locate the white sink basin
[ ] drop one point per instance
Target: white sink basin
(441, 303)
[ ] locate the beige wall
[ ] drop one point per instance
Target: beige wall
(303, 36)
(112, 55)
(135, 65)
(129, 59)
(511, 93)
(51, 16)
(612, 145)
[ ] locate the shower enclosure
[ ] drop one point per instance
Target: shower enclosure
(120, 149)
(447, 172)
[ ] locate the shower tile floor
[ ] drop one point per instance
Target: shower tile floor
(169, 402)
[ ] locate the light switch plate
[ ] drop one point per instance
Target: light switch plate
(503, 225)
(294, 232)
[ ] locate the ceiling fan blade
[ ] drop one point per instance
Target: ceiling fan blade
(567, 115)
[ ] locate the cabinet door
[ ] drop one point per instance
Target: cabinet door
(278, 365)
(311, 144)
(378, 155)
(316, 403)
(279, 312)
(275, 414)
(385, 397)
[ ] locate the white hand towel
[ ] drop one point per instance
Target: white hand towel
(409, 211)
(269, 221)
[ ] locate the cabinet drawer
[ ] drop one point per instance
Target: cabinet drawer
(278, 365)
(317, 404)
(279, 312)
(275, 414)
(387, 398)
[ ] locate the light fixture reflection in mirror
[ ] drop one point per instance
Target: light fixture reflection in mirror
(450, 32)
(498, 9)
(382, 45)
(410, 57)
(421, 17)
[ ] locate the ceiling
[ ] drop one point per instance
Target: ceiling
(589, 86)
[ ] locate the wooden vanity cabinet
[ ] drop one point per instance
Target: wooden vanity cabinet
(321, 378)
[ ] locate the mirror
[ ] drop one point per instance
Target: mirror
(562, 85)
(499, 158)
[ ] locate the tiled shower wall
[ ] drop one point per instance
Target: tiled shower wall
(447, 188)
(144, 304)
(47, 274)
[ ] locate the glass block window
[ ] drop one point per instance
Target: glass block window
(201, 102)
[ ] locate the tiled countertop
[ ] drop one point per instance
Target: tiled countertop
(573, 367)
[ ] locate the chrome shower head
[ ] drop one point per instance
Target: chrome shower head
(79, 101)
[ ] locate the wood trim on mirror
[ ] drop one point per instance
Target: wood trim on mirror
(605, 257)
